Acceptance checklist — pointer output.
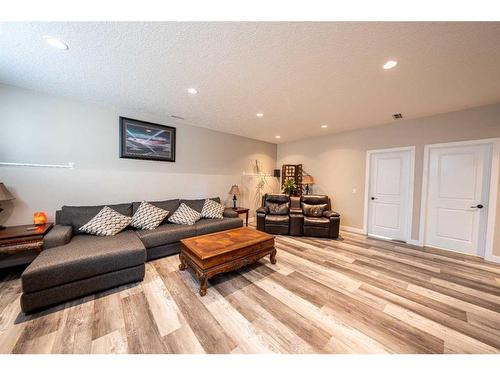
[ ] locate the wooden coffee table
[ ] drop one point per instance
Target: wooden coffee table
(215, 253)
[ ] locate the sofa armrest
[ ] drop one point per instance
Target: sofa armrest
(59, 235)
(296, 211)
(263, 210)
(329, 214)
(228, 212)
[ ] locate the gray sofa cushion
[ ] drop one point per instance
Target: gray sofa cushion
(60, 293)
(197, 204)
(85, 256)
(166, 233)
(163, 250)
(78, 216)
(170, 205)
(205, 226)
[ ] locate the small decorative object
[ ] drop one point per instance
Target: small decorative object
(235, 190)
(145, 140)
(5, 195)
(277, 173)
(288, 186)
(39, 218)
(307, 180)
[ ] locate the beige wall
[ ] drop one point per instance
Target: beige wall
(38, 128)
(337, 162)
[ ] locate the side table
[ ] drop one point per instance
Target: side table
(241, 210)
(21, 243)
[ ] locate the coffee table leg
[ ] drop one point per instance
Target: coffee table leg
(203, 285)
(273, 257)
(183, 265)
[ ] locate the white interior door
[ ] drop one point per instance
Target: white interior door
(458, 191)
(389, 194)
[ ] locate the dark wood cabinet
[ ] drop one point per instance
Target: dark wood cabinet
(21, 244)
(294, 172)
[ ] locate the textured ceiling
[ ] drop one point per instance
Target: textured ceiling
(300, 75)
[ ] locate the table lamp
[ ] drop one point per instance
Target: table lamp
(307, 180)
(5, 195)
(235, 190)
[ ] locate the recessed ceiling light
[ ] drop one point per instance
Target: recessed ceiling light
(390, 64)
(277, 136)
(192, 91)
(324, 126)
(259, 114)
(56, 43)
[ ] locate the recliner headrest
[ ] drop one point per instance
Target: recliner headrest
(315, 199)
(277, 198)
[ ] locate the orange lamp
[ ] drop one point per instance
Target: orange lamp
(39, 218)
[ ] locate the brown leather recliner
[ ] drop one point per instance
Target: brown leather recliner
(273, 217)
(319, 219)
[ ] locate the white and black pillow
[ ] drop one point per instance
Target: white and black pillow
(107, 222)
(212, 210)
(148, 216)
(185, 215)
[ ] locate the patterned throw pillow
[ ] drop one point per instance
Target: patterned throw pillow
(148, 216)
(185, 215)
(212, 210)
(107, 222)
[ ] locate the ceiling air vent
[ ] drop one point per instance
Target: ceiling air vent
(177, 117)
(397, 116)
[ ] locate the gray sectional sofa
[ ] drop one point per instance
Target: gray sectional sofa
(75, 264)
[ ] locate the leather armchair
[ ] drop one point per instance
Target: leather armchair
(274, 215)
(319, 219)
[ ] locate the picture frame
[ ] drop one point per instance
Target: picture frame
(146, 140)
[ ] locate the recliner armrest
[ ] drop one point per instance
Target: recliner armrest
(329, 214)
(296, 211)
(59, 235)
(228, 212)
(263, 210)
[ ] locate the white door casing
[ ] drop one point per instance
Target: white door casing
(389, 198)
(458, 181)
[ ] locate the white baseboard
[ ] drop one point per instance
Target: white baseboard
(352, 229)
(415, 242)
(492, 258)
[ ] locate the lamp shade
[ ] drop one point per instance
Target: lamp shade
(307, 180)
(235, 190)
(5, 195)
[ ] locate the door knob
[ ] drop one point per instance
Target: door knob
(373, 198)
(478, 206)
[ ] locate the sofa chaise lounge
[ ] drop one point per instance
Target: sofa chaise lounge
(75, 264)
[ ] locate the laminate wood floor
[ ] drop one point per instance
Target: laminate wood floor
(356, 295)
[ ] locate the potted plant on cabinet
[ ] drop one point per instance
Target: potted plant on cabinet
(288, 186)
